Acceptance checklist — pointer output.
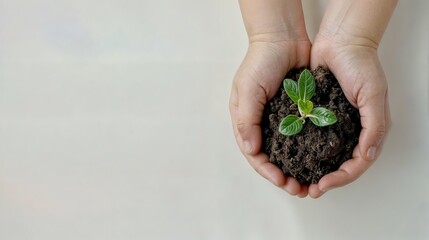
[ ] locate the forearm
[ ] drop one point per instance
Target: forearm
(359, 22)
(273, 20)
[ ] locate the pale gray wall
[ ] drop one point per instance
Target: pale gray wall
(114, 125)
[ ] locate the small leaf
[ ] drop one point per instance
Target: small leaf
(306, 85)
(290, 125)
(321, 116)
(305, 106)
(291, 88)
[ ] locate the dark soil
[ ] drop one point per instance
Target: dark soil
(315, 151)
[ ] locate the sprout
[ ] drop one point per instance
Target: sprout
(301, 92)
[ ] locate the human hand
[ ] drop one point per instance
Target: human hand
(361, 76)
(256, 81)
(278, 43)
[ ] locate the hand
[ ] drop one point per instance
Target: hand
(360, 74)
(258, 80)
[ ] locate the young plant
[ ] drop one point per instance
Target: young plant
(301, 92)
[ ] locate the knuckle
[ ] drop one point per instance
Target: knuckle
(379, 131)
(371, 93)
(241, 127)
(369, 98)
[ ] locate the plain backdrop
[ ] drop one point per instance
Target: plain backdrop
(114, 124)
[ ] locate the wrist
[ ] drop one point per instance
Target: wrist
(333, 51)
(354, 22)
(279, 36)
(345, 35)
(273, 20)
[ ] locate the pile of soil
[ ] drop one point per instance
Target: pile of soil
(315, 151)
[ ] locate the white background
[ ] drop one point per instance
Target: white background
(114, 124)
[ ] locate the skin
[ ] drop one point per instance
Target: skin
(347, 43)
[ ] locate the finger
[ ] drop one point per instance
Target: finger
(387, 115)
(233, 109)
(269, 171)
(251, 101)
(372, 109)
(260, 161)
(303, 192)
(292, 186)
(349, 171)
(314, 191)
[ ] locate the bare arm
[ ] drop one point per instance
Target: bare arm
(273, 20)
(359, 22)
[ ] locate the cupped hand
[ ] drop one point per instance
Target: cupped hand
(361, 76)
(256, 81)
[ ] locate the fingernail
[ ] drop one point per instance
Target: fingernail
(325, 189)
(371, 153)
(248, 147)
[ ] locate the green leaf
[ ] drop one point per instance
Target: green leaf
(306, 85)
(305, 106)
(291, 88)
(290, 125)
(321, 116)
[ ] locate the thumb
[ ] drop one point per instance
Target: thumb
(374, 126)
(251, 101)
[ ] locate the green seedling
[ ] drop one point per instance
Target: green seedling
(301, 92)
